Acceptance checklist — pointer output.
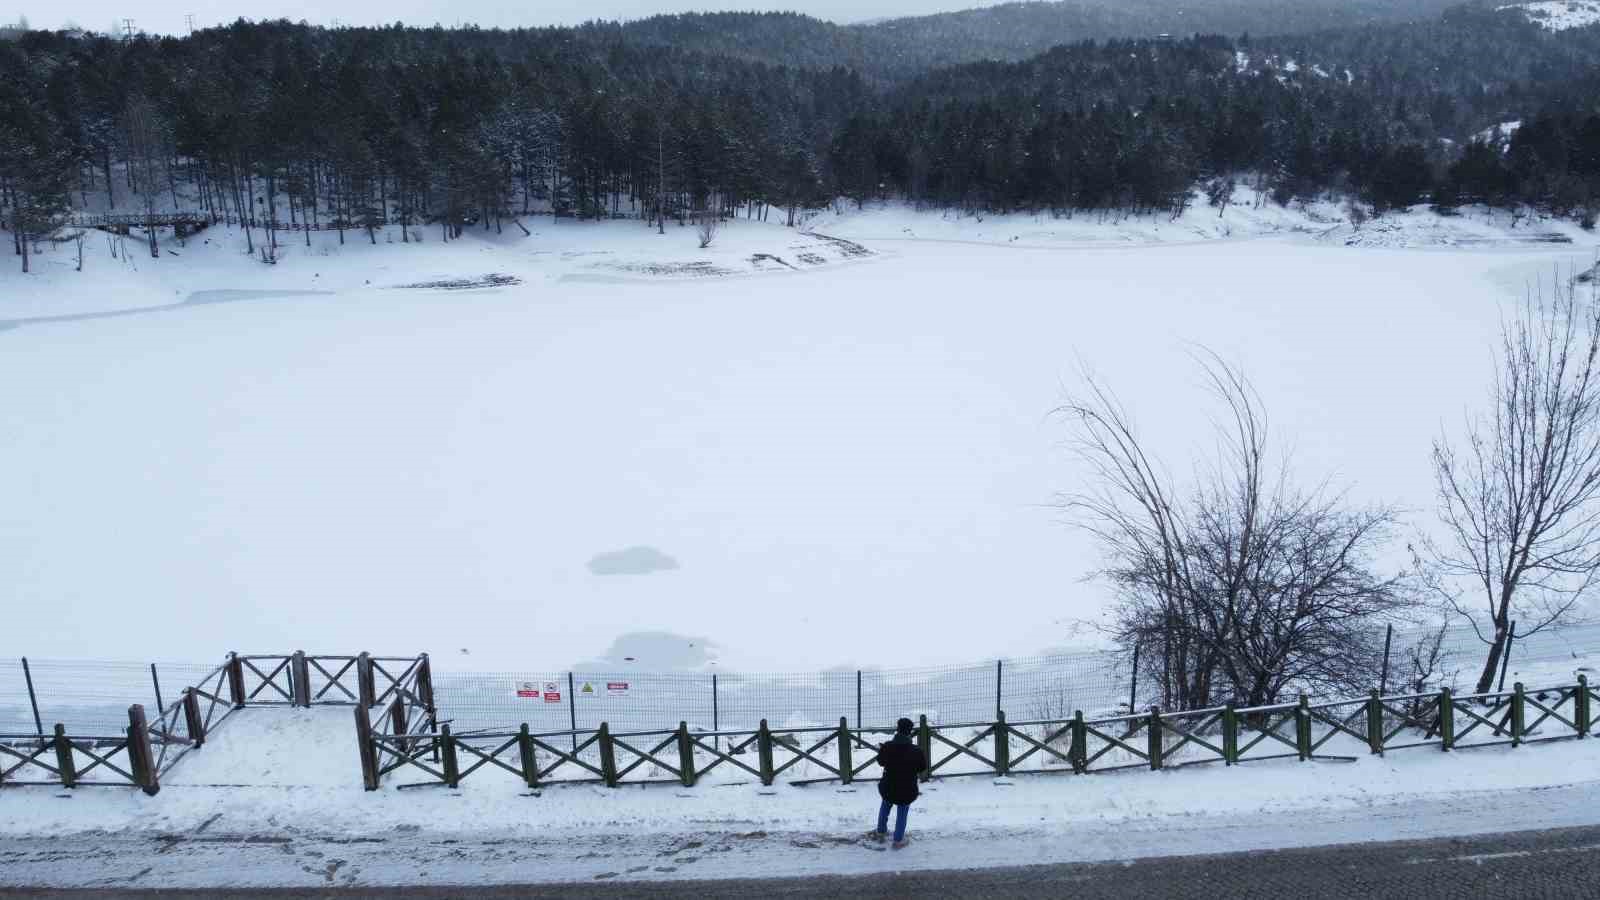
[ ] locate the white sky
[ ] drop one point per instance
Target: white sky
(168, 16)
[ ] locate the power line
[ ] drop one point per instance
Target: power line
(188, 20)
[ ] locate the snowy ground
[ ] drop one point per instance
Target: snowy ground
(1559, 15)
(229, 816)
(818, 452)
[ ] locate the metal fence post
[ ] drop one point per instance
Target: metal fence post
(608, 756)
(846, 765)
(1133, 689)
(193, 722)
(572, 710)
(64, 762)
(1002, 746)
(1505, 658)
(1375, 723)
(33, 699)
(686, 772)
(236, 680)
(1388, 638)
(452, 769)
(300, 679)
(1518, 714)
(1230, 735)
(716, 716)
(1581, 706)
(1153, 737)
(1447, 720)
(999, 672)
(366, 749)
(859, 718)
(142, 761)
(925, 744)
(530, 758)
(764, 752)
(1078, 750)
(1302, 729)
(156, 682)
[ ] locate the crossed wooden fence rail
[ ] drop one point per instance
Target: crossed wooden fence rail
(1302, 730)
(147, 749)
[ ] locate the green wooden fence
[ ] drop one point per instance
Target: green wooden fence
(1303, 730)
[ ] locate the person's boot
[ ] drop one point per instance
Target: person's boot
(900, 844)
(877, 836)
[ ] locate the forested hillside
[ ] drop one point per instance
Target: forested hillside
(364, 126)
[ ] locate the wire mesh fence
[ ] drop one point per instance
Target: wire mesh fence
(93, 696)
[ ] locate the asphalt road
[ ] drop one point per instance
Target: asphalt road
(1531, 864)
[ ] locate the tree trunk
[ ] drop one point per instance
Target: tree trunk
(1491, 666)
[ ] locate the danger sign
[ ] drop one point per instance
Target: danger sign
(528, 690)
(552, 692)
(617, 688)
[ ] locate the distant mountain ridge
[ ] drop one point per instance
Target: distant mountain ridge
(903, 47)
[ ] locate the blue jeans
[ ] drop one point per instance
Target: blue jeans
(899, 819)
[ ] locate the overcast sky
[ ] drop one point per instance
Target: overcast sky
(167, 16)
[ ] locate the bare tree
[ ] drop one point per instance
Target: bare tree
(1519, 498)
(710, 221)
(1244, 586)
(148, 144)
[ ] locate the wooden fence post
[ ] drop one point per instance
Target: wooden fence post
(142, 762)
(608, 756)
(192, 720)
(1580, 709)
(1447, 720)
(1153, 737)
(1002, 746)
(300, 674)
(64, 761)
(1078, 750)
(366, 749)
(398, 724)
(1518, 714)
(846, 765)
(530, 758)
(236, 680)
(925, 744)
(447, 744)
(1230, 735)
(425, 686)
(686, 772)
(1302, 728)
(366, 688)
(764, 753)
(1375, 723)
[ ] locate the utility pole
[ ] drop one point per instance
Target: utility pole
(127, 29)
(188, 21)
(661, 181)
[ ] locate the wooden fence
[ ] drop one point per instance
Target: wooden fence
(1303, 730)
(146, 749)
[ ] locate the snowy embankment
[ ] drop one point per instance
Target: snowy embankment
(1248, 215)
(216, 266)
(275, 799)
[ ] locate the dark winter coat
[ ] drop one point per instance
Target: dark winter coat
(902, 762)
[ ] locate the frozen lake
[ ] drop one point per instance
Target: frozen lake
(851, 466)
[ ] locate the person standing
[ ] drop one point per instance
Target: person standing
(902, 762)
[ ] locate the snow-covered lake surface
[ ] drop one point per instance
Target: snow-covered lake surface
(847, 457)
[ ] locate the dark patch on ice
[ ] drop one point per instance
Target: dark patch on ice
(632, 561)
(491, 280)
(698, 269)
(760, 258)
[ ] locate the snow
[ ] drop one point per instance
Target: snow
(852, 464)
(229, 816)
(1499, 135)
(1560, 15)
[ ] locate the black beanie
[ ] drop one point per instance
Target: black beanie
(904, 726)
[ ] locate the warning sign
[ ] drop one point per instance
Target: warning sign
(552, 692)
(588, 688)
(528, 690)
(617, 688)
